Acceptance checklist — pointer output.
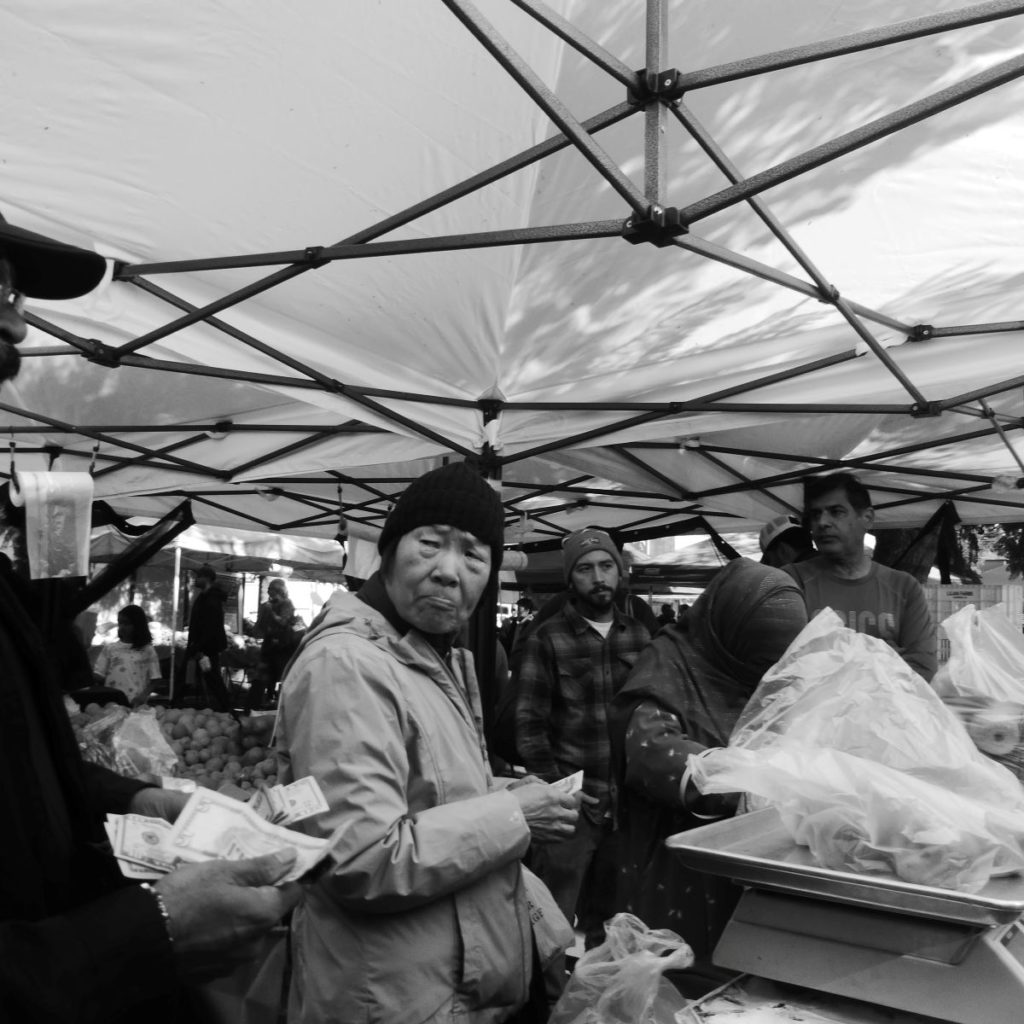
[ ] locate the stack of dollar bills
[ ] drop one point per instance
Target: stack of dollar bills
(215, 826)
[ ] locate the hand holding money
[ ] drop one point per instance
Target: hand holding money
(216, 910)
(214, 826)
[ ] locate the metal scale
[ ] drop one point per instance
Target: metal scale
(936, 952)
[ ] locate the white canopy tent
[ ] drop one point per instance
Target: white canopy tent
(233, 551)
(825, 203)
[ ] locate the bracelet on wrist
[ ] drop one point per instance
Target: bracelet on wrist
(161, 907)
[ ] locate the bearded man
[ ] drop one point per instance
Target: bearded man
(572, 665)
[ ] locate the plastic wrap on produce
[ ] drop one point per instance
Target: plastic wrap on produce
(130, 743)
(868, 767)
(983, 682)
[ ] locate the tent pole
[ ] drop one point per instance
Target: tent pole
(656, 113)
(174, 618)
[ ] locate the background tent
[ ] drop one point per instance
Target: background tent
(233, 551)
(350, 240)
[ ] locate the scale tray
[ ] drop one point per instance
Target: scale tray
(756, 850)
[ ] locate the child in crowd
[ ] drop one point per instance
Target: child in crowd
(129, 664)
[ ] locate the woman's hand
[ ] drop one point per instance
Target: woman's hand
(550, 814)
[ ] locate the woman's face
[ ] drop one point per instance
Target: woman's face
(124, 630)
(438, 576)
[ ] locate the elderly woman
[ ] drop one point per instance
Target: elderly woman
(421, 913)
(684, 695)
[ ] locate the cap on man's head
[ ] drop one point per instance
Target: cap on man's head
(452, 495)
(775, 528)
(47, 269)
(582, 542)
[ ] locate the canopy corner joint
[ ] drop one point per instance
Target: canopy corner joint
(659, 225)
(656, 87)
(922, 332)
(100, 353)
(919, 410)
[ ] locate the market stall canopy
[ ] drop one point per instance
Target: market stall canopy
(233, 551)
(347, 241)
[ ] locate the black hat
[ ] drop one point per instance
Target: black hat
(452, 495)
(47, 269)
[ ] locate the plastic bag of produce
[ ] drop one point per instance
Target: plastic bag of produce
(857, 815)
(983, 682)
(868, 767)
(130, 743)
(847, 691)
(622, 980)
(96, 739)
(986, 655)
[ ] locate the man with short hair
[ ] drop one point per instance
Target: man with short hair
(422, 913)
(78, 941)
(870, 598)
(572, 665)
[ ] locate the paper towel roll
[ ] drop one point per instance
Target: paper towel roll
(994, 733)
(58, 521)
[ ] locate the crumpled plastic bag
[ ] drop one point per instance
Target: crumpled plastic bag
(868, 767)
(857, 815)
(622, 981)
(847, 691)
(130, 743)
(983, 682)
(986, 655)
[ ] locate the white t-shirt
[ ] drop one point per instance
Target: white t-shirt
(128, 669)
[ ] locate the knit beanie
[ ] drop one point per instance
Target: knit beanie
(582, 542)
(452, 495)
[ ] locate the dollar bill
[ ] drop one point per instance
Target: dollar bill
(570, 784)
(285, 805)
(303, 798)
(143, 840)
(213, 826)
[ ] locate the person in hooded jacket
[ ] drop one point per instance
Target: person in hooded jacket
(683, 696)
(421, 913)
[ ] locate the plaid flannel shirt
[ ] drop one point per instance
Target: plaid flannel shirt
(567, 676)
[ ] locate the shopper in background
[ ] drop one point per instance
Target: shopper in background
(129, 664)
(870, 598)
(421, 914)
(207, 638)
(572, 665)
(783, 540)
(79, 943)
(683, 696)
(280, 629)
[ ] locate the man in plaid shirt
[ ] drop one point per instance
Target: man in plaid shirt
(572, 665)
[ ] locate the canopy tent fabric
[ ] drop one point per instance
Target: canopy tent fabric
(234, 551)
(639, 299)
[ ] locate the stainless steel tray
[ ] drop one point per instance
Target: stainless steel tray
(756, 849)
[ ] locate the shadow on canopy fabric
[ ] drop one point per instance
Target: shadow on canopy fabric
(645, 262)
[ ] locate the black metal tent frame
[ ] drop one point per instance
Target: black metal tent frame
(656, 94)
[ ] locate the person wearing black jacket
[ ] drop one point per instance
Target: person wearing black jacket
(79, 943)
(207, 638)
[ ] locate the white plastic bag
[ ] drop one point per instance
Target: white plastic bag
(130, 743)
(986, 655)
(857, 815)
(847, 691)
(622, 980)
(868, 767)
